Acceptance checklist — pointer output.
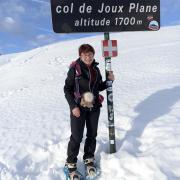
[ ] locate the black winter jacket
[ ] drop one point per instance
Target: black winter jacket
(85, 84)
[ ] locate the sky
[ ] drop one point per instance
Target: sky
(26, 24)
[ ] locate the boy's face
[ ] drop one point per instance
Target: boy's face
(87, 58)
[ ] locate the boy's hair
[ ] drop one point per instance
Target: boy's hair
(85, 48)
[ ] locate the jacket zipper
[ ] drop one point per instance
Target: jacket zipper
(95, 80)
(89, 79)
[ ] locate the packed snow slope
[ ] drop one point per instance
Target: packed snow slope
(34, 115)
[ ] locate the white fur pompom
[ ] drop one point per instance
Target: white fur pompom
(88, 97)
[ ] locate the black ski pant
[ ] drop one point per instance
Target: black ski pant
(90, 118)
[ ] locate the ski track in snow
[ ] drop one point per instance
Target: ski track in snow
(34, 114)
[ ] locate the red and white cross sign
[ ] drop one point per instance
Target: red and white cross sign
(109, 48)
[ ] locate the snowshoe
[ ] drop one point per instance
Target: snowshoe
(91, 171)
(71, 172)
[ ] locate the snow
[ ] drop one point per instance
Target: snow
(34, 115)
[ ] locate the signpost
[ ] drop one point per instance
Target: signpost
(72, 16)
(110, 50)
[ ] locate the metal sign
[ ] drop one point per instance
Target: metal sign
(69, 16)
(109, 48)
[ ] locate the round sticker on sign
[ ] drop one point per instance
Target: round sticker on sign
(110, 97)
(154, 25)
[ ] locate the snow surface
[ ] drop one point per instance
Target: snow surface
(34, 115)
